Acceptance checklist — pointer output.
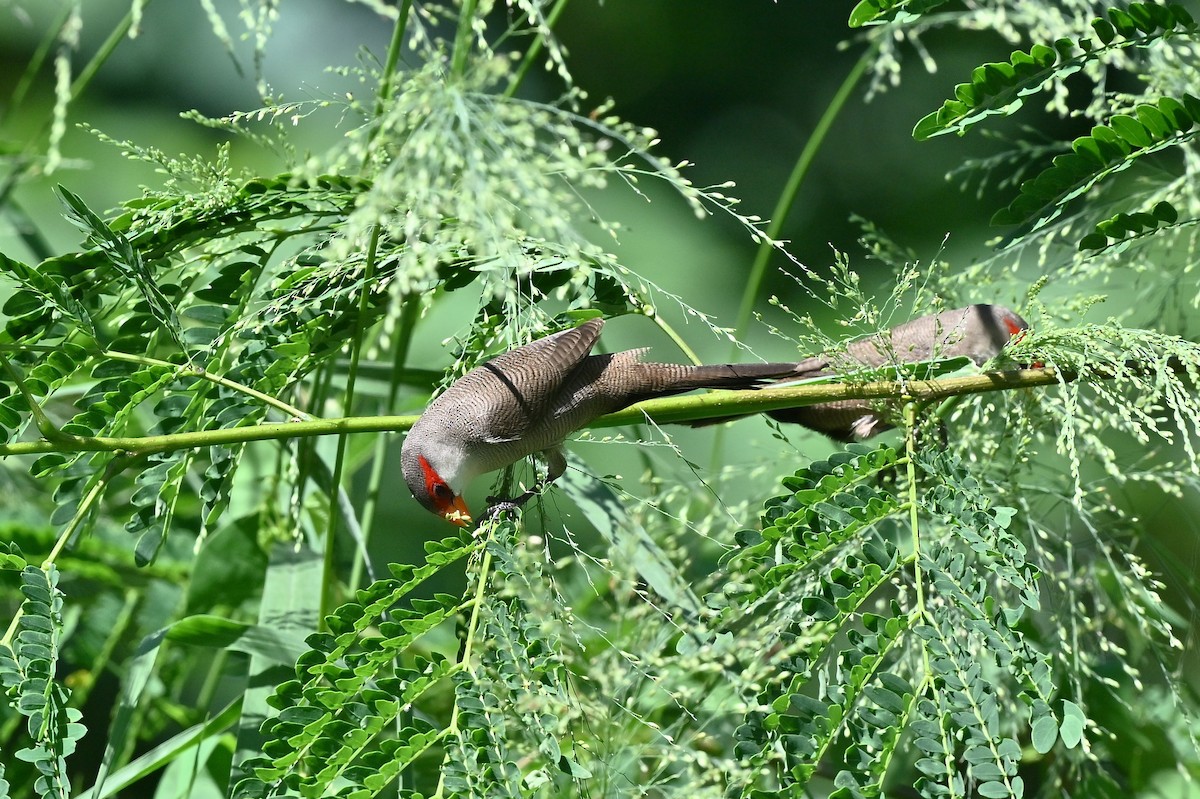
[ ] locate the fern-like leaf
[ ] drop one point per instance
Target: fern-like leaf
(1124, 228)
(1108, 150)
(877, 12)
(27, 670)
(338, 718)
(1000, 88)
(126, 259)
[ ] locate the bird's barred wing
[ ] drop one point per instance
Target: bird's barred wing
(530, 377)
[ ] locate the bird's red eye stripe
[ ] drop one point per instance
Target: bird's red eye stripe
(1015, 331)
(446, 503)
(435, 486)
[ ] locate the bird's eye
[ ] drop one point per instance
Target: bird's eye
(443, 492)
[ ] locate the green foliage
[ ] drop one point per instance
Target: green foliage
(969, 614)
(29, 654)
(1122, 227)
(877, 12)
(856, 679)
(350, 687)
(1108, 150)
(1150, 124)
(1000, 88)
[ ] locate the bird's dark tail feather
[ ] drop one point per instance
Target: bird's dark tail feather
(753, 375)
(749, 375)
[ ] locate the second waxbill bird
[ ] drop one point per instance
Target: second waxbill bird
(978, 332)
(529, 399)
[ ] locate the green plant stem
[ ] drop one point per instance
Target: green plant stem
(719, 404)
(36, 61)
(387, 80)
(466, 661)
(395, 47)
(409, 310)
(188, 370)
(462, 39)
(665, 326)
(791, 190)
(668, 410)
(40, 419)
(339, 463)
(85, 507)
(534, 50)
(910, 449)
(110, 44)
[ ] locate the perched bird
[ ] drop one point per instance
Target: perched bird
(529, 399)
(978, 332)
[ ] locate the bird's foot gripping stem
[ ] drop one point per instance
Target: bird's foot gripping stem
(499, 505)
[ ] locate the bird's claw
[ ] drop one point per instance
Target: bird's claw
(499, 505)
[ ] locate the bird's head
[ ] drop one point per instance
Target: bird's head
(986, 329)
(434, 474)
(1013, 324)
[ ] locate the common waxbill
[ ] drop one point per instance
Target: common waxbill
(529, 399)
(978, 332)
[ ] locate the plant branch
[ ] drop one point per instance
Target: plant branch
(462, 39)
(667, 410)
(718, 404)
(791, 190)
(46, 427)
(387, 83)
(188, 370)
(85, 507)
(910, 449)
(534, 50)
(665, 326)
(339, 463)
(466, 656)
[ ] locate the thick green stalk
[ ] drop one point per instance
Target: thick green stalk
(387, 82)
(409, 310)
(462, 39)
(668, 410)
(534, 50)
(356, 344)
(791, 190)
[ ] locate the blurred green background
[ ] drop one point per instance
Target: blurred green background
(735, 86)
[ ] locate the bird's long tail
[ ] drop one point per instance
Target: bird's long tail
(746, 375)
(753, 375)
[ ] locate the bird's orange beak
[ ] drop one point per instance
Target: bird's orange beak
(458, 513)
